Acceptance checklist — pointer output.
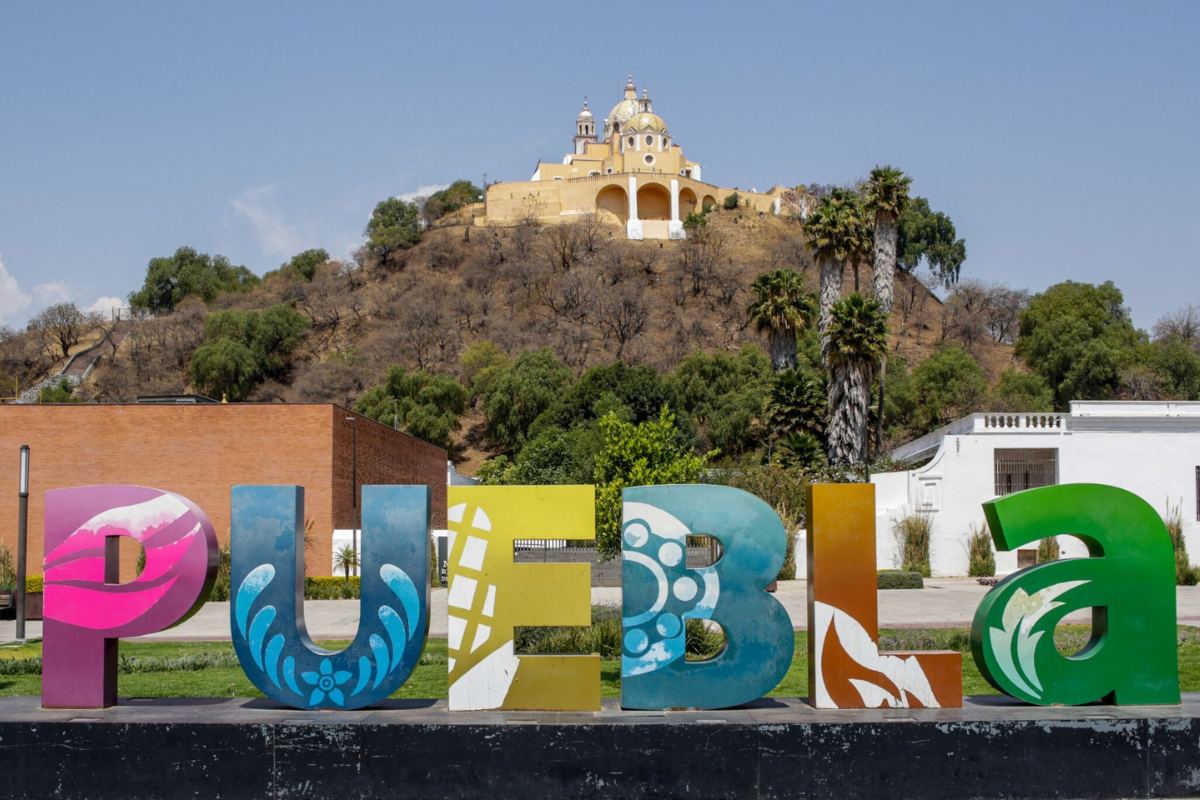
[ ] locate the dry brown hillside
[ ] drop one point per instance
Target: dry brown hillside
(580, 289)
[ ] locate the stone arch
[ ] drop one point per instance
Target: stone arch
(687, 202)
(709, 200)
(654, 202)
(612, 199)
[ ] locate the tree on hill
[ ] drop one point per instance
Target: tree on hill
(646, 454)
(455, 196)
(242, 348)
(421, 404)
(395, 225)
(925, 234)
(189, 274)
(828, 243)
(521, 393)
(725, 394)
(304, 265)
(62, 326)
(1078, 337)
(857, 340)
(886, 199)
(783, 307)
(947, 385)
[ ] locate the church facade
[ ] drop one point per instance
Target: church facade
(628, 172)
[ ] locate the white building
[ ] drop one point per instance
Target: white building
(1149, 448)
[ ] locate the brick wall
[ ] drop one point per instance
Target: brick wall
(383, 457)
(200, 451)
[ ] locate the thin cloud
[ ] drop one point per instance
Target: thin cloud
(105, 305)
(13, 301)
(422, 191)
(275, 237)
(47, 294)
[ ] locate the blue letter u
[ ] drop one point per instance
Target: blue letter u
(266, 611)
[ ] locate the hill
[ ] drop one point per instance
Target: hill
(580, 289)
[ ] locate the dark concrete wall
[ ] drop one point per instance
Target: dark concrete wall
(777, 748)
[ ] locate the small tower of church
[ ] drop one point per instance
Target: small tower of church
(644, 105)
(585, 129)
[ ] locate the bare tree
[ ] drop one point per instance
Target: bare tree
(562, 245)
(616, 262)
(912, 301)
(1005, 312)
(622, 314)
(62, 326)
(1183, 325)
(590, 232)
(966, 313)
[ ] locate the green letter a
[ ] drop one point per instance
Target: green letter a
(1129, 582)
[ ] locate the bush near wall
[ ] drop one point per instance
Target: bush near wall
(331, 588)
(900, 579)
(979, 552)
(33, 584)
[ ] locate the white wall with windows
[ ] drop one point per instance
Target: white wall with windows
(1149, 448)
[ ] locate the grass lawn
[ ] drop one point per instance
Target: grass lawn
(209, 669)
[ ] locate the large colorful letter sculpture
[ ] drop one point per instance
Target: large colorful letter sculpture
(489, 594)
(1128, 582)
(845, 667)
(87, 610)
(267, 604)
(660, 592)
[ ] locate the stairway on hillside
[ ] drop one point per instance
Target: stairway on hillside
(81, 364)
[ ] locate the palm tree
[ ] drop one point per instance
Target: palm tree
(346, 559)
(782, 309)
(857, 340)
(828, 246)
(886, 199)
(857, 232)
(797, 404)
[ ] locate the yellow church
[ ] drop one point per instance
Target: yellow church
(633, 175)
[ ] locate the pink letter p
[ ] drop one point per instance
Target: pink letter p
(87, 610)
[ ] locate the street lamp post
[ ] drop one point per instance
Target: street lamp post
(354, 479)
(22, 522)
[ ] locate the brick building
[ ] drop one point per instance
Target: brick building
(200, 451)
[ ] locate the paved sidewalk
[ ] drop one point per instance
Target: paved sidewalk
(944, 602)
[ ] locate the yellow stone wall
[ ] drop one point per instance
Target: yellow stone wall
(560, 200)
(598, 181)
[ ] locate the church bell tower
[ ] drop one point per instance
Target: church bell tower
(585, 129)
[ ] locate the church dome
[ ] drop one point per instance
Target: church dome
(622, 111)
(646, 122)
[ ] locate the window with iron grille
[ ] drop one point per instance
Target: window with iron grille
(1020, 468)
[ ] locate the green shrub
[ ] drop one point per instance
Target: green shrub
(788, 571)
(603, 636)
(33, 584)
(900, 579)
(912, 534)
(8, 570)
(700, 642)
(695, 220)
(331, 588)
(220, 592)
(1185, 573)
(731, 202)
(910, 639)
(1048, 549)
(979, 551)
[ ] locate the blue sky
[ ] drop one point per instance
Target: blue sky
(1061, 138)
